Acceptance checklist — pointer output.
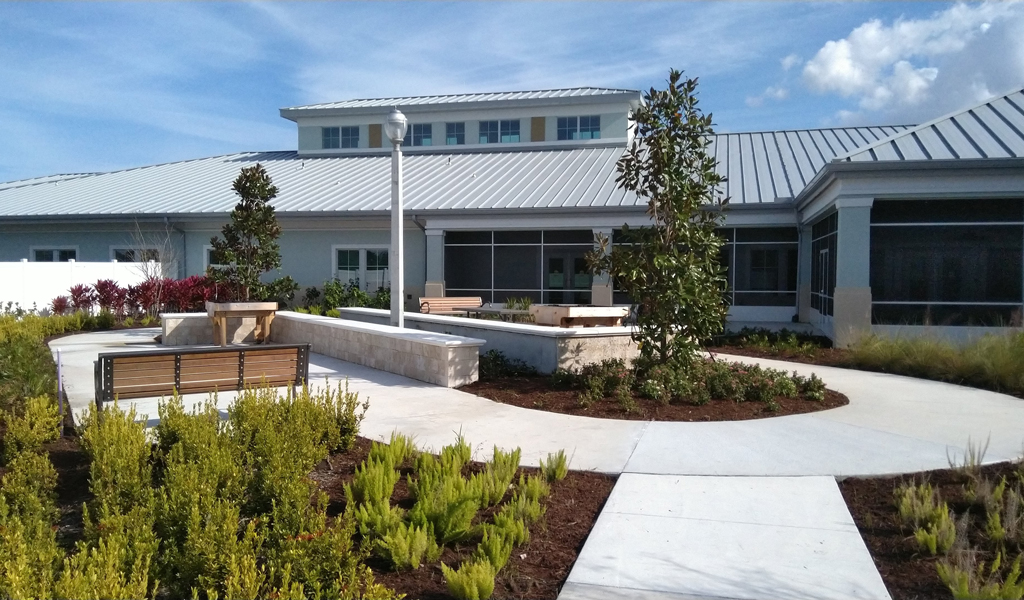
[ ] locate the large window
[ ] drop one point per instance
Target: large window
(54, 254)
(947, 262)
(579, 128)
(824, 243)
(761, 264)
(349, 137)
(455, 134)
(214, 259)
(488, 132)
(546, 266)
(509, 131)
(330, 137)
(363, 267)
(419, 134)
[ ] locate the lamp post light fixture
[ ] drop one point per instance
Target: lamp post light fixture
(395, 128)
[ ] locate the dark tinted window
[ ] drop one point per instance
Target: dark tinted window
(766, 234)
(467, 237)
(516, 237)
(467, 267)
(569, 236)
(517, 267)
(947, 211)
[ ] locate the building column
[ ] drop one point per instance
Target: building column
(852, 296)
(434, 286)
(805, 265)
(601, 285)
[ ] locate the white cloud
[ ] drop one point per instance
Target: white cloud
(915, 69)
(791, 61)
(770, 93)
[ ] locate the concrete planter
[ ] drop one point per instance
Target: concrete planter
(544, 348)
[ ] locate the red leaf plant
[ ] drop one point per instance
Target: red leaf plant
(82, 297)
(110, 296)
(60, 305)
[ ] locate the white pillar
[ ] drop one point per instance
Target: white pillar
(396, 262)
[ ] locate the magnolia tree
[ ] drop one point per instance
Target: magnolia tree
(249, 247)
(671, 268)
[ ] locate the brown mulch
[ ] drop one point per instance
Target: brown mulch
(538, 392)
(536, 570)
(908, 573)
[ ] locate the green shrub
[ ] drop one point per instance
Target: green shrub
(395, 452)
(473, 581)
(533, 487)
(917, 505)
(495, 547)
(119, 451)
(333, 313)
(497, 476)
(555, 467)
(27, 488)
(512, 526)
(375, 519)
(448, 505)
(969, 580)
(406, 546)
(938, 535)
(26, 367)
(494, 364)
(29, 554)
(37, 424)
(105, 320)
(314, 310)
(373, 482)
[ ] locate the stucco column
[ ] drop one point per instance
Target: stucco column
(803, 277)
(852, 296)
(601, 285)
(434, 286)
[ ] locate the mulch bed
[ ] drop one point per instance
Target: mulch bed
(828, 357)
(536, 570)
(538, 392)
(907, 573)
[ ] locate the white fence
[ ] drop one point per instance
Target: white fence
(25, 283)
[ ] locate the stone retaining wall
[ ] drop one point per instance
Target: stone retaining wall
(544, 348)
(446, 360)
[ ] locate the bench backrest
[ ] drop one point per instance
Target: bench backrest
(448, 303)
(161, 372)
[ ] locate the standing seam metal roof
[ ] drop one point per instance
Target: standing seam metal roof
(456, 98)
(992, 129)
(760, 167)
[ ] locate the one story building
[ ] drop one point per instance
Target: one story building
(851, 229)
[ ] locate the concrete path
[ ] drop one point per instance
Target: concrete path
(742, 509)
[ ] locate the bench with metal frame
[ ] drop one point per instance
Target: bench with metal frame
(152, 373)
(449, 305)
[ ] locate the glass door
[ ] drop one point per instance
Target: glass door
(566, 278)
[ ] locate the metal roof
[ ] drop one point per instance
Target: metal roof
(457, 98)
(760, 167)
(768, 165)
(583, 177)
(43, 179)
(992, 129)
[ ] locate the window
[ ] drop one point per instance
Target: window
(349, 137)
(54, 254)
(509, 131)
(546, 266)
(455, 134)
(418, 134)
(824, 243)
(492, 132)
(579, 128)
(135, 254)
(366, 268)
(488, 132)
(947, 262)
(761, 265)
(330, 137)
(214, 259)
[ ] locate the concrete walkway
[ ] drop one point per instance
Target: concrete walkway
(770, 523)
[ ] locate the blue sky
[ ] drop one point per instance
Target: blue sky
(103, 86)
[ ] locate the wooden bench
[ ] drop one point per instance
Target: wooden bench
(152, 373)
(448, 305)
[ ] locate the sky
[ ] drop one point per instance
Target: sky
(88, 87)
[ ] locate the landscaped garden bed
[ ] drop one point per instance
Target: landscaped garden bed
(708, 391)
(974, 516)
(993, 362)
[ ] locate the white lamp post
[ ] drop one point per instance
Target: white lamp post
(395, 128)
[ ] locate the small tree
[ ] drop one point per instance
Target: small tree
(671, 268)
(249, 248)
